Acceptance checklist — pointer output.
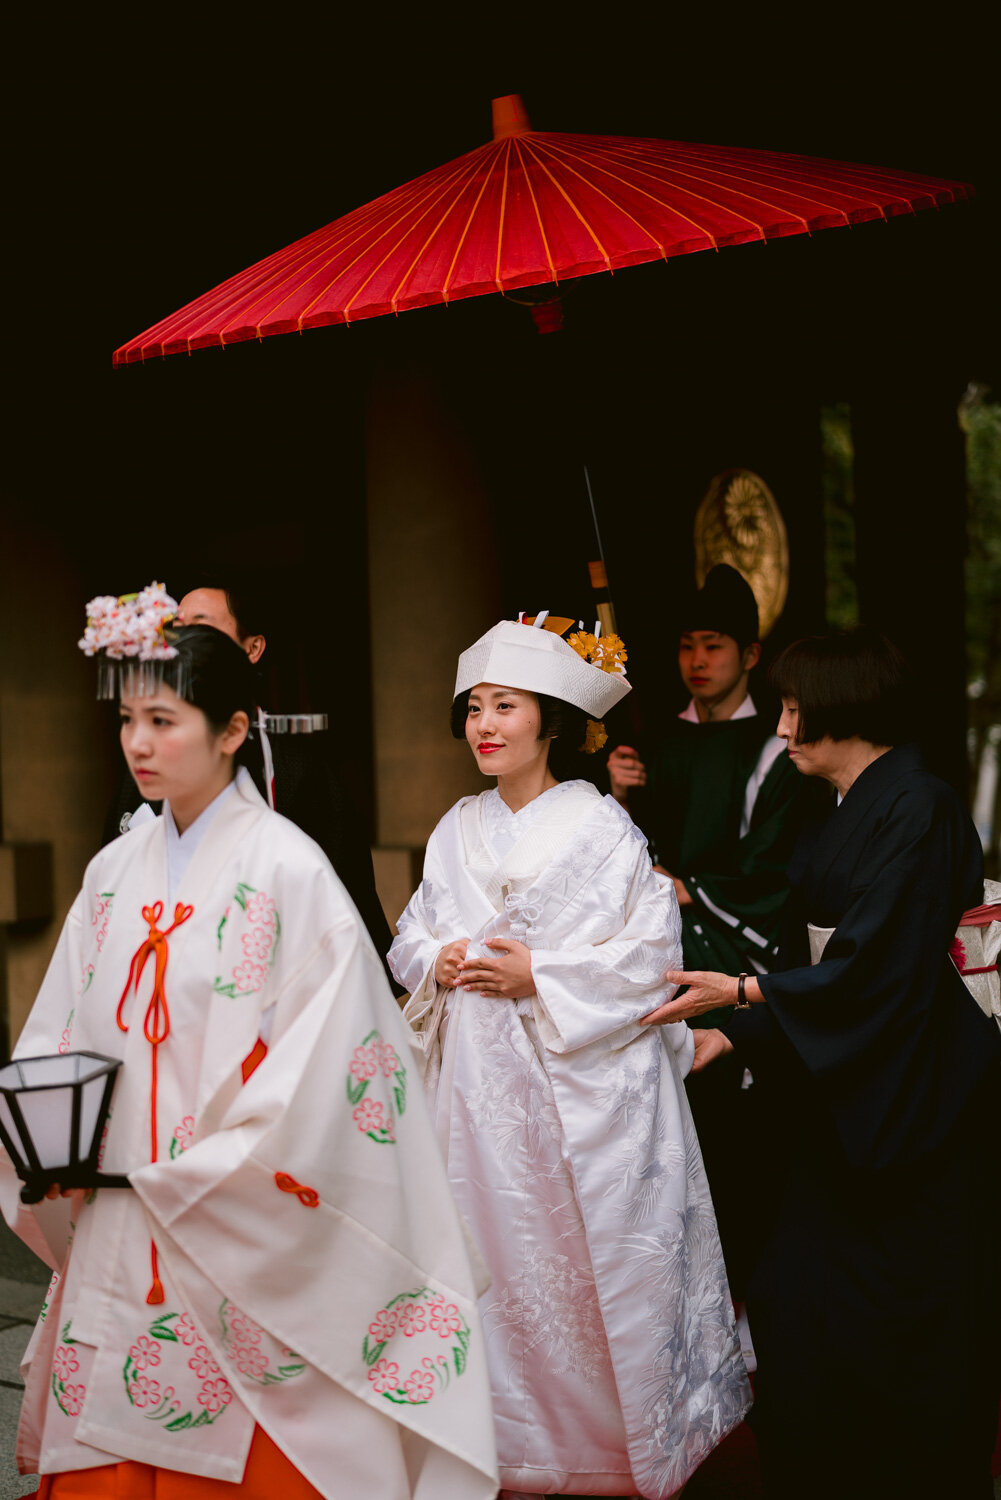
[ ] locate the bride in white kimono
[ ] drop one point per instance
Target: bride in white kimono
(284, 1304)
(538, 939)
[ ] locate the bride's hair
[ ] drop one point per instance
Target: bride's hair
(561, 723)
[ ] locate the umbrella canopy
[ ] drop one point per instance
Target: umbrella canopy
(531, 208)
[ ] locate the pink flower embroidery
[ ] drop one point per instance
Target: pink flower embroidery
(72, 1399)
(64, 1363)
(203, 1364)
(214, 1395)
(64, 1040)
(257, 944)
(261, 910)
(385, 1377)
(185, 1133)
(445, 1318)
(249, 977)
(145, 1352)
(383, 1327)
(186, 1330)
(388, 1060)
(243, 1329)
(250, 1360)
(412, 1320)
(368, 1115)
(419, 1386)
(102, 917)
(364, 1063)
(144, 1392)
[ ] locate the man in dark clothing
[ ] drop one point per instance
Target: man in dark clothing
(722, 810)
(293, 772)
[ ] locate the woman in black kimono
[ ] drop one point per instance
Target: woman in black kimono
(874, 1305)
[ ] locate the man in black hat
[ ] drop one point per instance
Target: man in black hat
(722, 809)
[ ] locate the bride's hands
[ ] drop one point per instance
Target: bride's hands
(448, 963)
(507, 977)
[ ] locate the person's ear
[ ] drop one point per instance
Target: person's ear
(254, 646)
(236, 732)
(751, 656)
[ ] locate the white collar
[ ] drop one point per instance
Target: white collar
(746, 710)
(181, 846)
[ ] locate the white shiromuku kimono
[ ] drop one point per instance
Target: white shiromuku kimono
(611, 1345)
(315, 1274)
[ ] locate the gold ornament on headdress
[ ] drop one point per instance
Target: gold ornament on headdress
(609, 654)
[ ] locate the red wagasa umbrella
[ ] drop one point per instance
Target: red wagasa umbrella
(530, 208)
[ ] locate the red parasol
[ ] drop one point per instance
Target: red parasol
(532, 208)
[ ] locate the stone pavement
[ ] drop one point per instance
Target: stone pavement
(23, 1279)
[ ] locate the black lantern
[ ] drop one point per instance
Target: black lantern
(52, 1116)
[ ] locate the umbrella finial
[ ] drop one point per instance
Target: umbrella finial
(510, 117)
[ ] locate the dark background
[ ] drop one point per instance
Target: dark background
(188, 144)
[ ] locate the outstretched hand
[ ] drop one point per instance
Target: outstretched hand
(704, 992)
(508, 976)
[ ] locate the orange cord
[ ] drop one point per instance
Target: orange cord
(156, 1025)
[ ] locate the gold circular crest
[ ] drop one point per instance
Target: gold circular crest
(739, 522)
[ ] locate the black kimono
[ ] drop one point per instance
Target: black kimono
(874, 1303)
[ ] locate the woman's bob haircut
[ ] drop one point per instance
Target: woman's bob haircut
(847, 684)
(561, 723)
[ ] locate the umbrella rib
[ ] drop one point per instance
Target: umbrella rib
(644, 193)
(500, 223)
(567, 199)
(389, 227)
(705, 198)
(553, 273)
(395, 246)
(462, 237)
(797, 183)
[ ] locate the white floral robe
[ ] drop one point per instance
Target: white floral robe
(613, 1356)
(314, 1270)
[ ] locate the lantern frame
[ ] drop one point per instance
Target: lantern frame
(80, 1169)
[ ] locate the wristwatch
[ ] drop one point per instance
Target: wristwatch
(742, 1002)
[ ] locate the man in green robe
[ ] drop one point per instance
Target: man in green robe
(722, 809)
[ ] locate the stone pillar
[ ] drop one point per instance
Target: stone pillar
(433, 589)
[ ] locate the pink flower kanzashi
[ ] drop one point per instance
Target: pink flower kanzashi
(250, 1360)
(385, 1376)
(248, 977)
(186, 1330)
(214, 1395)
(144, 1392)
(185, 1132)
(412, 1319)
(445, 1319)
(203, 1364)
(383, 1326)
(64, 1362)
(145, 1352)
(364, 1063)
(388, 1060)
(257, 944)
(72, 1399)
(261, 910)
(368, 1115)
(419, 1386)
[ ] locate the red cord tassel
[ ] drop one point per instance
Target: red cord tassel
(156, 1028)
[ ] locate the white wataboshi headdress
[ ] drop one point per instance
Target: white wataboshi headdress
(584, 670)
